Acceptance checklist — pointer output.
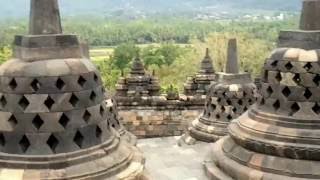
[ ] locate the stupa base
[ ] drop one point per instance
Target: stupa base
(129, 137)
(117, 160)
(228, 161)
(199, 131)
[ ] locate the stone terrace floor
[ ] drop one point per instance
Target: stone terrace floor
(167, 161)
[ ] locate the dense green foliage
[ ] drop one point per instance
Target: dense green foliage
(171, 47)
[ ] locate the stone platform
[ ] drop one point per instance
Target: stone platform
(167, 161)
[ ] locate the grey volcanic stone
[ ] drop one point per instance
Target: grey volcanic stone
(310, 15)
(278, 138)
(44, 17)
(54, 122)
(228, 98)
(232, 66)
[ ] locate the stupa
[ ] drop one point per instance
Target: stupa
(53, 114)
(116, 122)
(199, 84)
(137, 84)
(279, 137)
(228, 98)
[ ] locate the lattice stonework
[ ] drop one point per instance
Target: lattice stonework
(279, 137)
(53, 118)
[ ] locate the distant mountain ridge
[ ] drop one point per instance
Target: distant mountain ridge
(19, 8)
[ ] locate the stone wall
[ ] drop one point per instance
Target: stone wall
(147, 122)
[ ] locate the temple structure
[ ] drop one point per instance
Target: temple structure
(54, 121)
(198, 85)
(227, 99)
(279, 137)
(138, 84)
(146, 112)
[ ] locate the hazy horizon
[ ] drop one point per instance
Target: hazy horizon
(20, 8)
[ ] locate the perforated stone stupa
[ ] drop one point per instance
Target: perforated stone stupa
(279, 137)
(116, 122)
(227, 99)
(199, 84)
(53, 118)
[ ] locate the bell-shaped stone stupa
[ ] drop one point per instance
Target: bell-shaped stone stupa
(278, 138)
(138, 83)
(53, 118)
(227, 99)
(199, 84)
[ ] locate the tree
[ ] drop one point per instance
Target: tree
(5, 54)
(152, 56)
(123, 55)
(169, 52)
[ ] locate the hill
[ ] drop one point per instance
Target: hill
(19, 8)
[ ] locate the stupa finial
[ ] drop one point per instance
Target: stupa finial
(207, 52)
(310, 15)
(44, 17)
(232, 66)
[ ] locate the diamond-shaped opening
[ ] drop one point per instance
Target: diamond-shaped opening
(316, 108)
(307, 94)
(308, 66)
(102, 110)
(78, 139)
(213, 106)
(24, 103)
(250, 101)
(81, 81)
(223, 109)
(13, 84)
(3, 101)
(12, 121)
(52, 143)
(60, 84)
(316, 79)
(24, 143)
(274, 64)
(49, 102)
(93, 96)
(297, 79)
(73, 100)
(2, 140)
(217, 116)
(294, 108)
(229, 102)
(240, 102)
(234, 110)
(98, 132)
(219, 100)
(95, 77)
(288, 66)
(269, 90)
(64, 120)
(245, 109)
(86, 116)
(278, 77)
(286, 91)
(35, 85)
(262, 101)
(276, 105)
(229, 117)
(37, 122)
